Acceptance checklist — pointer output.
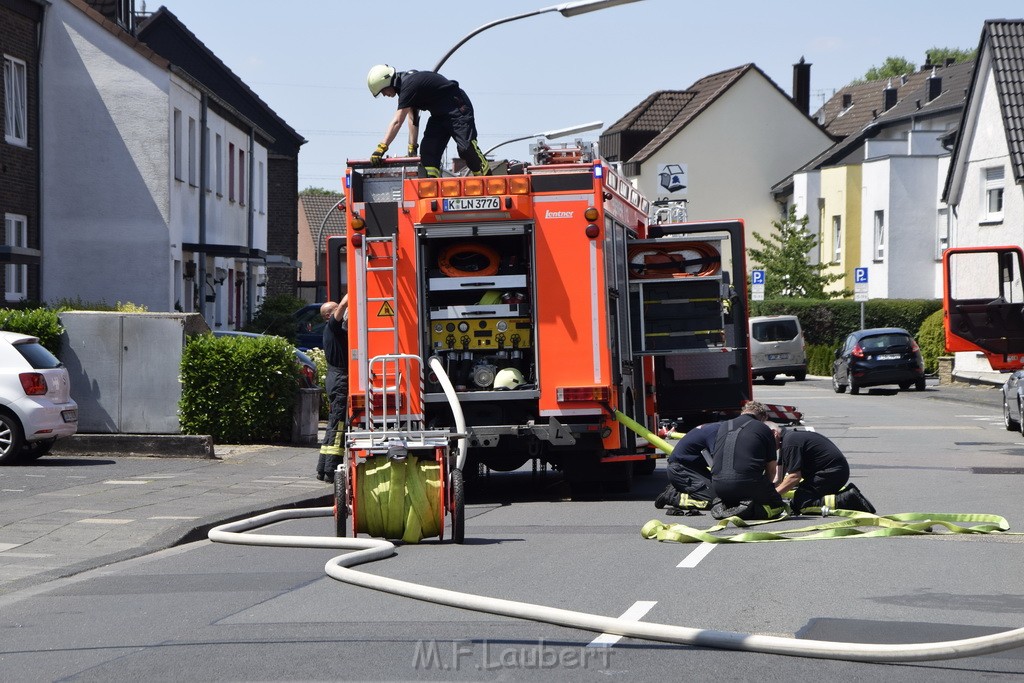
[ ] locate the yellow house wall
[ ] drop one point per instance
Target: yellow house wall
(841, 195)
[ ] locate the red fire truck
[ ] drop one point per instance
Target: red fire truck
(520, 311)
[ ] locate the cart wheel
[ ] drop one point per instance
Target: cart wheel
(341, 503)
(458, 509)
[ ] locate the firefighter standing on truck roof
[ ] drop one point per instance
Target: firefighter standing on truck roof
(451, 117)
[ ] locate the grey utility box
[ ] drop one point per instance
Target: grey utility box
(125, 369)
(306, 417)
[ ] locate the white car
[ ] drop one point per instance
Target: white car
(36, 407)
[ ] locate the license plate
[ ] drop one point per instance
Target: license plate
(472, 204)
(69, 415)
(889, 356)
(778, 356)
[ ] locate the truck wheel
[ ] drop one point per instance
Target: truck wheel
(458, 509)
(11, 439)
(645, 468)
(341, 504)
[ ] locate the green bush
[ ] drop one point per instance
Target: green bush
(318, 357)
(819, 359)
(38, 322)
(238, 389)
(932, 340)
(275, 316)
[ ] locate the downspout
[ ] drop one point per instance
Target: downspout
(201, 277)
(250, 229)
(40, 111)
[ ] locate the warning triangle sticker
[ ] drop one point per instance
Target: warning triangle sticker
(386, 311)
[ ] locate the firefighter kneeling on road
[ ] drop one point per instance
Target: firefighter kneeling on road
(451, 117)
(818, 470)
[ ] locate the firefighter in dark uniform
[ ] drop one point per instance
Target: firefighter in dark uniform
(451, 117)
(816, 467)
(689, 471)
(332, 448)
(744, 467)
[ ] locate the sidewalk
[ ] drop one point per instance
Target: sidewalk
(66, 512)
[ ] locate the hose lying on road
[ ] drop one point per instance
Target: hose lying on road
(369, 550)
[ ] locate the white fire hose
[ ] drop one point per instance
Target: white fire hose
(370, 549)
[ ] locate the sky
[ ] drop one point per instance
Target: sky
(308, 59)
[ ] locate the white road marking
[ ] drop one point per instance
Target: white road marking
(94, 520)
(698, 554)
(13, 490)
(8, 546)
(634, 613)
(172, 517)
(913, 427)
(124, 481)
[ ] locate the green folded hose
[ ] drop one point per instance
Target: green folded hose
(399, 499)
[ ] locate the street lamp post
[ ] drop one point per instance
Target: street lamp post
(566, 9)
(551, 134)
(319, 237)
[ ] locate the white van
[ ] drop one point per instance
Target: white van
(777, 347)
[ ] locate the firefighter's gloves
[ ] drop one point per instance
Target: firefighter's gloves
(413, 149)
(377, 158)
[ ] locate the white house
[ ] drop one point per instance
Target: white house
(734, 132)
(985, 184)
(135, 207)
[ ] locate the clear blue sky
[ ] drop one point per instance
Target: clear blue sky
(308, 58)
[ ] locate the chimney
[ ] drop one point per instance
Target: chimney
(802, 86)
(888, 97)
(934, 86)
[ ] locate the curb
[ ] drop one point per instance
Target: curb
(155, 445)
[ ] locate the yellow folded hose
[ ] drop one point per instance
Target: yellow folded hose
(399, 499)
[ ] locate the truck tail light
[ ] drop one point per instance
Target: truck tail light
(519, 185)
(33, 383)
(450, 188)
(566, 394)
(426, 189)
(495, 185)
(473, 187)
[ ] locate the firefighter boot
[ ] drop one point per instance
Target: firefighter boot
(667, 498)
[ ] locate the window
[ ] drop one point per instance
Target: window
(231, 171)
(241, 177)
(177, 144)
(837, 239)
(15, 101)
(207, 161)
(879, 244)
(15, 274)
(994, 183)
(219, 161)
(941, 233)
(192, 167)
(262, 185)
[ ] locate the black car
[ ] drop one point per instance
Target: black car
(881, 355)
(309, 327)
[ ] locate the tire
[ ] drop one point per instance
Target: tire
(800, 376)
(458, 507)
(33, 450)
(919, 385)
(1020, 407)
(341, 504)
(1008, 422)
(769, 376)
(836, 386)
(854, 388)
(12, 440)
(905, 385)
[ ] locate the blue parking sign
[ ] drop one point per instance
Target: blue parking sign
(757, 277)
(860, 276)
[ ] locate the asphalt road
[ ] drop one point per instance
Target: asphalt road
(205, 611)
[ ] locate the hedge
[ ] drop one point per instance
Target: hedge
(238, 389)
(38, 322)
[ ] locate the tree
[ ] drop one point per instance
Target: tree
(939, 55)
(891, 68)
(317, 192)
(784, 254)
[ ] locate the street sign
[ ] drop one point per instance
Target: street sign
(756, 295)
(860, 276)
(757, 277)
(860, 296)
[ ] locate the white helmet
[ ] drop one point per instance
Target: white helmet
(380, 77)
(508, 378)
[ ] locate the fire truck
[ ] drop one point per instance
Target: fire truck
(524, 312)
(983, 303)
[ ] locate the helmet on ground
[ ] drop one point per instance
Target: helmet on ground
(508, 378)
(380, 77)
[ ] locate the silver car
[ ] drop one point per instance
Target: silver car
(777, 347)
(36, 407)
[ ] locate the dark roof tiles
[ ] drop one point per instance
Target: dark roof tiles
(1007, 40)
